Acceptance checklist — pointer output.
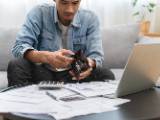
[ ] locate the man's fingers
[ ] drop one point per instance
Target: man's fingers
(64, 59)
(91, 62)
(86, 73)
(66, 52)
(74, 78)
(60, 58)
(83, 75)
(71, 73)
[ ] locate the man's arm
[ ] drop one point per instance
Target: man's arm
(27, 43)
(94, 42)
(27, 38)
(94, 50)
(57, 59)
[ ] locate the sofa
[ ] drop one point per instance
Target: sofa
(7, 39)
(118, 42)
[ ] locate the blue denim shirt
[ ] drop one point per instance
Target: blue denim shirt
(41, 31)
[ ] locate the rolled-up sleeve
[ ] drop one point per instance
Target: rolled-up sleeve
(27, 38)
(94, 41)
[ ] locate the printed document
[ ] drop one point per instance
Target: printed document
(62, 103)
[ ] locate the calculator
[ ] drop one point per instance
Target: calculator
(50, 85)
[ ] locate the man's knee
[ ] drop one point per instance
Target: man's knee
(18, 70)
(101, 74)
(12, 63)
(18, 63)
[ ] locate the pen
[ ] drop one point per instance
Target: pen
(52, 96)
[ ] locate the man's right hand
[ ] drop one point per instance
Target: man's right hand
(60, 58)
(57, 59)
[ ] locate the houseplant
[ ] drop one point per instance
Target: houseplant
(142, 11)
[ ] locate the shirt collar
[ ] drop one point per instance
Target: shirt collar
(55, 15)
(75, 22)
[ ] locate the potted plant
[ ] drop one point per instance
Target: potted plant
(142, 11)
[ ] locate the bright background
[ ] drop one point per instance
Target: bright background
(110, 12)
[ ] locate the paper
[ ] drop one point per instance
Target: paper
(29, 95)
(26, 100)
(60, 93)
(93, 89)
(31, 100)
(89, 106)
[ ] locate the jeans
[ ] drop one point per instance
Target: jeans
(21, 72)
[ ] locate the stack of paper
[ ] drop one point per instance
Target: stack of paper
(31, 100)
(26, 100)
(93, 89)
(88, 106)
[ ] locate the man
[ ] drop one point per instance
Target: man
(48, 37)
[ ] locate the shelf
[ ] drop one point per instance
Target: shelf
(152, 34)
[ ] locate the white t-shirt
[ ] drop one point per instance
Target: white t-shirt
(63, 45)
(64, 37)
(64, 41)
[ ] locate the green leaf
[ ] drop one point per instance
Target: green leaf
(136, 13)
(152, 5)
(150, 10)
(134, 3)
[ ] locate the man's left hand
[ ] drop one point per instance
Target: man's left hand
(86, 73)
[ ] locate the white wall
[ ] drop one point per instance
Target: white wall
(157, 20)
(110, 12)
(12, 13)
(113, 12)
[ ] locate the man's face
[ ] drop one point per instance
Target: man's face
(66, 10)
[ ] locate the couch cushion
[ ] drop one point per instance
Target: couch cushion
(7, 38)
(3, 79)
(118, 73)
(118, 42)
(149, 40)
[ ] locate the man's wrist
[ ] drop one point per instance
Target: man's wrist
(92, 63)
(37, 56)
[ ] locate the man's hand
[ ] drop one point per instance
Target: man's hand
(57, 59)
(60, 59)
(86, 73)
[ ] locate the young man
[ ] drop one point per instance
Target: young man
(50, 34)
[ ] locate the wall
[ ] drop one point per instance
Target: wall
(110, 12)
(157, 20)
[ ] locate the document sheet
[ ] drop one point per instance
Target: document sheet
(70, 101)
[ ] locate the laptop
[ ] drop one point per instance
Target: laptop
(141, 71)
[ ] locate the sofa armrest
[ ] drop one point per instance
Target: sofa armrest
(3, 79)
(149, 40)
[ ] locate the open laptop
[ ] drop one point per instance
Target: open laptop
(141, 71)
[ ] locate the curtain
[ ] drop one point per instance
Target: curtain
(13, 12)
(156, 18)
(113, 12)
(110, 12)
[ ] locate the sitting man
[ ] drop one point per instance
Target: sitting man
(49, 37)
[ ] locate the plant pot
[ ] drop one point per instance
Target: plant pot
(145, 27)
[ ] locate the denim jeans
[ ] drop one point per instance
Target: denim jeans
(22, 71)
